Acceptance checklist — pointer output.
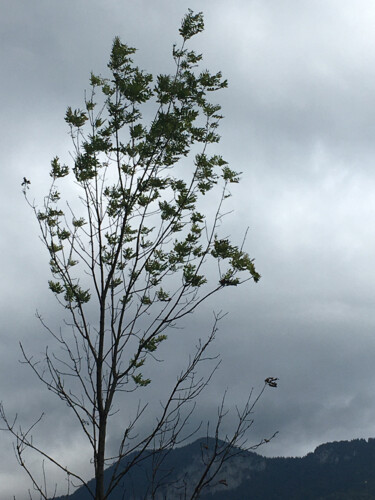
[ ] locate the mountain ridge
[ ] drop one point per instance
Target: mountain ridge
(339, 470)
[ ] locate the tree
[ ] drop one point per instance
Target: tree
(129, 262)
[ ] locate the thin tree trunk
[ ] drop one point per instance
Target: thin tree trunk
(99, 493)
(99, 472)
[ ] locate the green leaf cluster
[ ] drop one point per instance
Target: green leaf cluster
(238, 260)
(58, 170)
(75, 295)
(140, 381)
(191, 25)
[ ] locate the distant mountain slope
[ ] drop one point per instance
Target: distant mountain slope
(342, 470)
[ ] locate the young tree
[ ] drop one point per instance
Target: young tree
(130, 261)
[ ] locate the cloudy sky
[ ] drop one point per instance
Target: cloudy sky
(300, 125)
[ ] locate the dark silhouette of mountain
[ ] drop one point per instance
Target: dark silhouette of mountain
(342, 470)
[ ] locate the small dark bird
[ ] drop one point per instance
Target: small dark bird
(271, 381)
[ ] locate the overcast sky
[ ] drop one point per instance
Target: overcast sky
(300, 125)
